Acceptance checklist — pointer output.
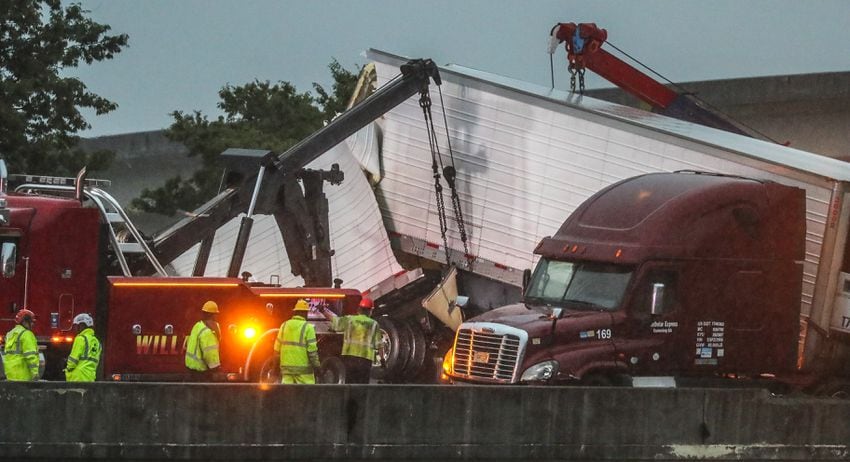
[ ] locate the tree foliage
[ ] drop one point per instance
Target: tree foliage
(258, 115)
(39, 109)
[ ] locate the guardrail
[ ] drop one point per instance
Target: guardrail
(243, 421)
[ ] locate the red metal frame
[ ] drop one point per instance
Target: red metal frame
(592, 56)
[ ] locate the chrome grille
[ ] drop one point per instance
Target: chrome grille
(487, 356)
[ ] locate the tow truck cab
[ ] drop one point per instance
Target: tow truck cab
(665, 274)
(49, 257)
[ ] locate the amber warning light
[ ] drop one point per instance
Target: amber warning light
(249, 332)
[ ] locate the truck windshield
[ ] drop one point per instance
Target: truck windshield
(578, 285)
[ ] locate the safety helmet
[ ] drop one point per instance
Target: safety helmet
(83, 318)
(210, 307)
(366, 303)
(24, 314)
(301, 305)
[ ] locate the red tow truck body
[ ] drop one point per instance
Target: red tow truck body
(150, 318)
(56, 263)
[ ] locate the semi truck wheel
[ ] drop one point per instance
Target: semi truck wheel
(393, 352)
(333, 371)
(418, 346)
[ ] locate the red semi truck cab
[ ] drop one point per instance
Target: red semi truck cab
(49, 264)
(682, 274)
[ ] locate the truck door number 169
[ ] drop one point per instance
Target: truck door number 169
(603, 333)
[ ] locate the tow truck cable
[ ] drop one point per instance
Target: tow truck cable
(449, 172)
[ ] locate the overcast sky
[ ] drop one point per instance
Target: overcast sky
(182, 52)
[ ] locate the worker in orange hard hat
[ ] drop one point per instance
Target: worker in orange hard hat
(202, 346)
(20, 361)
(296, 343)
(361, 337)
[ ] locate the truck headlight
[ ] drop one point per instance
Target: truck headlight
(540, 372)
(448, 365)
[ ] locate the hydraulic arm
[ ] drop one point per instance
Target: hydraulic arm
(583, 43)
(262, 182)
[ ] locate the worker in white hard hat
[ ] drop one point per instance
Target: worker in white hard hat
(202, 346)
(85, 352)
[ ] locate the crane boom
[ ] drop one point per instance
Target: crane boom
(583, 43)
(300, 213)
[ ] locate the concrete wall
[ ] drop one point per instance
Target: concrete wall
(223, 421)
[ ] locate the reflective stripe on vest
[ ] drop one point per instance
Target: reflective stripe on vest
(296, 370)
(197, 355)
(298, 354)
(358, 341)
(16, 342)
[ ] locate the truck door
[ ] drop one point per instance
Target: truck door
(652, 339)
(11, 287)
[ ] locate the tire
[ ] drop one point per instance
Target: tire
(269, 370)
(394, 350)
(333, 371)
(265, 366)
(418, 347)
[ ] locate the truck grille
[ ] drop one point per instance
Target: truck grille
(487, 354)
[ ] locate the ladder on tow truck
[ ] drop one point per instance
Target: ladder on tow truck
(124, 238)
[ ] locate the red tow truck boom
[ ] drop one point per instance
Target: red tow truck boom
(583, 43)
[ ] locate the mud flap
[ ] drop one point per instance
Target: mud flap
(442, 301)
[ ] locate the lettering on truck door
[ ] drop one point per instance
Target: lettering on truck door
(655, 339)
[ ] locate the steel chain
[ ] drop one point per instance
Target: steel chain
(425, 104)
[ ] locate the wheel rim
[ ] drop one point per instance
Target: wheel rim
(383, 353)
(269, 372)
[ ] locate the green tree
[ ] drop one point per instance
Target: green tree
(257, 115)
(39, 109)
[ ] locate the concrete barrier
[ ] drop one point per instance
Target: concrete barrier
(224, 421)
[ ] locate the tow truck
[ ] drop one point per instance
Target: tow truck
(68, 247)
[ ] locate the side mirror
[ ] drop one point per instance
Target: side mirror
(526, 279)
(8, 258)
(657, 303)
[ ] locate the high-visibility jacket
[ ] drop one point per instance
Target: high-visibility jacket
(296, 342)
(202, 348)
(21, 355)
(361, 335)
(84, 357)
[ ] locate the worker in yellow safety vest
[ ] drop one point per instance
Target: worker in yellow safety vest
(20, 360)
(202, 346)
(361, 338)
(296, 342)
(85, 352)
